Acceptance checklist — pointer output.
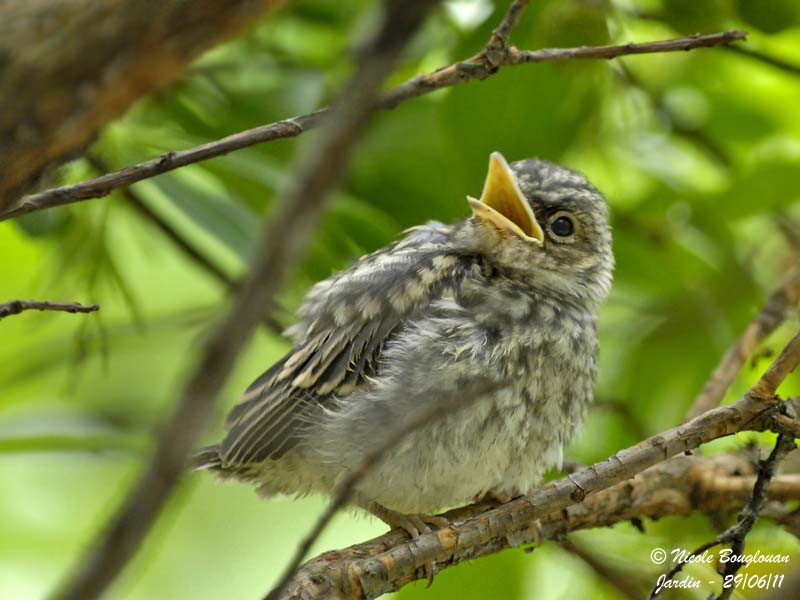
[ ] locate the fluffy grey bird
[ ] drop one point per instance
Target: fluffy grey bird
(503, 301)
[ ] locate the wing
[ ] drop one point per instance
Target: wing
(345, 322)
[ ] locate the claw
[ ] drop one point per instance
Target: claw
(536, 525)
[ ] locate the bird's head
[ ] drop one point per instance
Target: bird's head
(544, 225)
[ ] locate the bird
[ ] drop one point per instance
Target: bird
(496, 311)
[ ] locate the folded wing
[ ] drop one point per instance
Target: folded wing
(346, 321)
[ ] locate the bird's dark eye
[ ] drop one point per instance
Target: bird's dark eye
(563, 227)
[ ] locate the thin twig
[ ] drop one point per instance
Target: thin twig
(282, 241)
(613, 51)
(787, 361)
(736, 534)
(500, 36)
(14, 307)
(484, 528)
(768, 319)
(477, 67)
(97, 187)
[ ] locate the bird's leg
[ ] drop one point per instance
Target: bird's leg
(496, 499)
(413, 524)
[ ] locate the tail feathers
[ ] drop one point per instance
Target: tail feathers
(206, 459)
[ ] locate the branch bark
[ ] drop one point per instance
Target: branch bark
(70, 66)
(14, 307)
(478, 67)
(282, 241)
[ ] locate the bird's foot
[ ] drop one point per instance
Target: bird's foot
(496, 499)
(414, 525)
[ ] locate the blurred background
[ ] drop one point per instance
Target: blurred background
(697, 152)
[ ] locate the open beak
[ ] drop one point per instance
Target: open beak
(503, 205)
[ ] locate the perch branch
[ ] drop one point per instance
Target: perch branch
(14, 307)
(281, 244)
(388, 563)
(494, 56)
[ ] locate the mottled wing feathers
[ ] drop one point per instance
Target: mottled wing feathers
(345, 322)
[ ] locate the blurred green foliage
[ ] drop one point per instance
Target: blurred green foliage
(698, 153)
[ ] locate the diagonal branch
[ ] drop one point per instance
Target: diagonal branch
(495, 54)
(14, 307)
(388, 563)
(282, 241)
(500, 36)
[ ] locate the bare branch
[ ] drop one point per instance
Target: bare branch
(14, 307)
(613, 51)
(768, 319)
(787, 361)
(281, 244)
(478, 67)
(500, 35)
(103, 185)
